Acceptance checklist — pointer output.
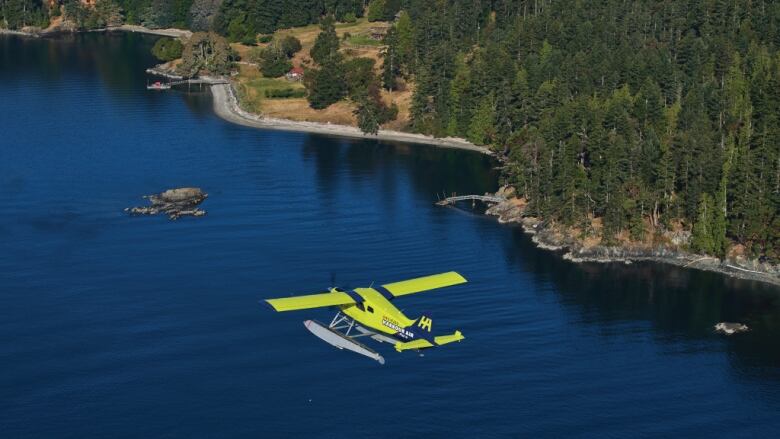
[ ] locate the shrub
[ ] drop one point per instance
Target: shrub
(249, 40)
(290, 45)
(167, 49)
(273, 62)
(284, 93)
(350, 17)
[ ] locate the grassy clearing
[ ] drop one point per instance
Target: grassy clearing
(252, 85)
(363, 40)
(254, 88)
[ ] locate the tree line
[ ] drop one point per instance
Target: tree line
(616, 117)
(335, 78)
(239, 20)
(646, 115)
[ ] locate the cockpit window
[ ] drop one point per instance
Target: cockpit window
(359, 306)
(369, 309)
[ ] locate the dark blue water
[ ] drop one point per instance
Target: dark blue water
(118, 326)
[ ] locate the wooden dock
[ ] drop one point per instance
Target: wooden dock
(180, 80)
(206, 81)
(489, 199)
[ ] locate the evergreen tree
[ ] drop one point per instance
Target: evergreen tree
(703, 239)
(326, 46)
(325, 85)
(481, 129)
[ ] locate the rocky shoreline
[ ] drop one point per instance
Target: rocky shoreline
(549, 237)
(175, 203)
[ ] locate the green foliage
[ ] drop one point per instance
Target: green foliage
(238, 29)
(371, 111)
(350, 17)
(325, 85)
(103, 13)
(643, 114)
(363, 89)
(167, 49)
(290, 45)
(326, 46)
(273, 61)
(337, 79)
(158, 13)
(359, 73)
(284, 93)
(249, 40)
(16, 14)
(702, 239)
(376, 10)
(361, 40)
(266, 16)
(382, 10)
(202, 13)
(390, 65)
(481, 128)
(205, 52)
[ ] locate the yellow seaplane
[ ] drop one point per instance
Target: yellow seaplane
(368, 312)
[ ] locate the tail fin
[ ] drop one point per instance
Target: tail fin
(425, 323)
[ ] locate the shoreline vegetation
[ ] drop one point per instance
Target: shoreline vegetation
(577, 249)
(632, 158)
(227, 107)
(513, 211)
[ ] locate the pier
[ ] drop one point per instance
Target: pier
(492, 199)
(206, 80)
(174, 79)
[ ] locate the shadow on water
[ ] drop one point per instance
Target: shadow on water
(431, 170)
(118, 59)
(679, 303)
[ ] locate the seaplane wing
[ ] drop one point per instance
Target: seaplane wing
(321, 300)
(426, 283)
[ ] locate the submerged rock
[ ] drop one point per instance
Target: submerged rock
(730, 328)
(173, 202)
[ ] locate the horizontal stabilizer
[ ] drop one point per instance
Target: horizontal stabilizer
(426, 283)
(444, 339)
(416, 344)
(311, 301)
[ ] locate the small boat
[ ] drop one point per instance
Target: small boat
(157, 85)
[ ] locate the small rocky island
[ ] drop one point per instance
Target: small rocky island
(174, 202)
(729, 328)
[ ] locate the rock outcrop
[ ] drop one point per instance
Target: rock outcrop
(731, 328)
(672, 250)
(174, 202)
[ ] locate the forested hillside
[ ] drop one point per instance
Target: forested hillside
(646, 114)
(237, 19)
(618, 118)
